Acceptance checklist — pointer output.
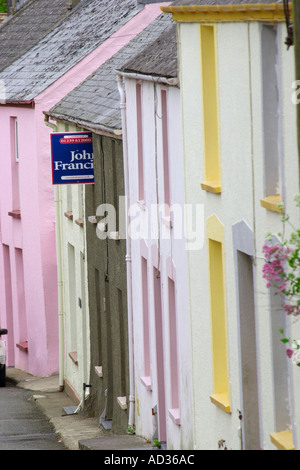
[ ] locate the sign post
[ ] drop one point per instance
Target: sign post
(72, 158)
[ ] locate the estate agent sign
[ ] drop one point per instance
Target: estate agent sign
(72, 158)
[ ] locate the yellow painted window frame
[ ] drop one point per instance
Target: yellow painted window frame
(210, 108)
(216, 258)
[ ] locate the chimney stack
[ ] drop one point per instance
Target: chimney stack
(11, 6)
(71, 4)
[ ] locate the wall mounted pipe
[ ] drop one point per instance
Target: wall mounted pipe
(59, 274)
(131, 412)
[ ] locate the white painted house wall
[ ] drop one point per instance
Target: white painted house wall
(237, 207)
(172, 258)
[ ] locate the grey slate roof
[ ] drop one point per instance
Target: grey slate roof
(96, 101)
(220, 2)
(87, 27)
(158, 59)
(21, 31)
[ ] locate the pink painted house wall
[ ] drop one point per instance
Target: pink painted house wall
(28, 277)
(31, 313)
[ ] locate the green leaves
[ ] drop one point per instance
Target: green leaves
(130, 430)
(3, 6)
(156, 443)
(282, 264)
(283, 340)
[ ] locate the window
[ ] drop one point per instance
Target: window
(14, 141)
(72, 297)
(146, 380)
(248, 352)
(69, 198)
(174, 411)
(212, 181)
(21, 296)
(283, 437)
(141, 189)
(165, 143)
(215, 233)
(98, 345)
(243, 243)
(79, 221)
(8, 302)
(271, 118)
(160, 362)
(82, 304)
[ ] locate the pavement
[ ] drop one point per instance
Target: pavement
(75, 430)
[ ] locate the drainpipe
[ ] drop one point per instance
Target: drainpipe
(59, 274)
(60, 288)
(131, 413)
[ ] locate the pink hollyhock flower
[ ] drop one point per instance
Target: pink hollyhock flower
(289, 352)
(289, 309)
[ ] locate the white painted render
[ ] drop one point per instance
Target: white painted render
(160, 245)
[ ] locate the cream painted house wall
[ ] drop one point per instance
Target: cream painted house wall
(239, 212)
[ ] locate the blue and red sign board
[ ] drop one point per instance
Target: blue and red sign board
(72, 158)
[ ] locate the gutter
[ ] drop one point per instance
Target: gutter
(19, 104)
(96, 128)
(151, 78)
(131, 412)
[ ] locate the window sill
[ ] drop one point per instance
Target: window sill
(221, 400)
(73, 356)
(212, 186)
(15, 214)
(283, 440)
(146, 381)
(79, 222)
(69, 215)
(270, 203)
(98, 370)
(142, 204)
(102, 226)
(166, 220)
(92, 219)
(174, 414)
(114, 236)
(122, 402)
(23, 346)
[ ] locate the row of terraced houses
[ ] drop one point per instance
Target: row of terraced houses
(143, 289)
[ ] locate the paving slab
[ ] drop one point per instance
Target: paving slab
(115, 442)
(77, 432)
